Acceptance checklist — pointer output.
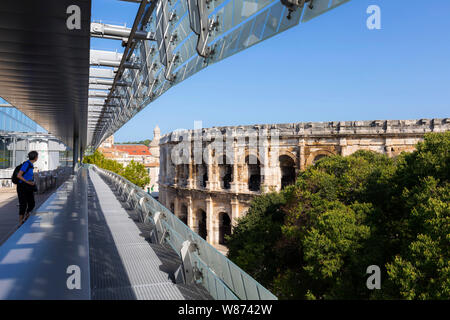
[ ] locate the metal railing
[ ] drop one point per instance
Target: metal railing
(202, 263)
(5, 178)
(45, 180)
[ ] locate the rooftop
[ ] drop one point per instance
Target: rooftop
(133, 149)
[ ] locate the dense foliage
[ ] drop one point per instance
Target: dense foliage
(315, 239)
(145, 142)
(134, 172)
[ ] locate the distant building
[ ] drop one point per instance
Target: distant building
(148, 156)
(14, 148)
(108, 143)
(210, 195)
(20, 135)
(153, 166)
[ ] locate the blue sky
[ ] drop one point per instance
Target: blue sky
(330, 69)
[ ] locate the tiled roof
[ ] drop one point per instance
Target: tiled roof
(133, 149)
(111, 152)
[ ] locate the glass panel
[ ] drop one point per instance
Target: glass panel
(220, 276)
(241, 24)
(320, 7)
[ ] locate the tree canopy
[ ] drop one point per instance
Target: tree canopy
(315, 239)
(145, 142)
(134, 172)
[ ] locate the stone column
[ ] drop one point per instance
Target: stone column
(234, 210)
(175, 178)
(265, 170)
(169, 169)
(176, 206)
(243, 173)
(343, 145)
(191, 180)
(210, 221)
(210, 184)
(191, 216)
(234, 185)
(388, 147)
(213, 176)
(302, 156)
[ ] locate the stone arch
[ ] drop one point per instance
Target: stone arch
(249, 153)
(201, 171)
(287, 169)
(224, 227)
(289, 154)
(202, 229)
(253, 172)
(225, 171)
(317, 155)
(182, 171)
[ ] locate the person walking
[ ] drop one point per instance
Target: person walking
(26, 187)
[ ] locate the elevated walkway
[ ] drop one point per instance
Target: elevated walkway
(34, 261)
(121, 242)
(124, 264)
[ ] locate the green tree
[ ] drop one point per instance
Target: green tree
(136, 173)
(421, 268)
(315, 240)
(144, 142)
(251, 245)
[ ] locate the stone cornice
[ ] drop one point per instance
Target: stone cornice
(319, 129)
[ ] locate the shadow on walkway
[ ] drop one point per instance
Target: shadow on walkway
(147, 271)
(9, 210)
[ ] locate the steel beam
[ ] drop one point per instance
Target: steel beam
(97, 94)
(201, 25)
(101, 73)
(108, 31)
(93, 86)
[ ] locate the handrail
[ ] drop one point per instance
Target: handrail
(202, 263)
(45, 180)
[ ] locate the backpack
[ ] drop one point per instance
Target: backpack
(14, 178)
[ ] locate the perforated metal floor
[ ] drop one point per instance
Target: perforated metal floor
(123, 264)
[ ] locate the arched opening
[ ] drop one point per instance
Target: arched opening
(172, 207)
(318, 157)
(224, 227)
(201, 217)
(182, 174)
(202, 175)
(254, 173)
(287, 168)
(183, 214)
(226, 173)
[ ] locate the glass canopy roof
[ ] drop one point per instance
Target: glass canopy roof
(189, 35)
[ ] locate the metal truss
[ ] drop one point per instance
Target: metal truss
(173, 39)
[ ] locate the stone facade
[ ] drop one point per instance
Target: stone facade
(209, 189)
(148, 156)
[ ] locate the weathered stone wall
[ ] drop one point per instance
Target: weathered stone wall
(215, 172)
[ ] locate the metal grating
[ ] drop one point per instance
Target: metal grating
(124, 265)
